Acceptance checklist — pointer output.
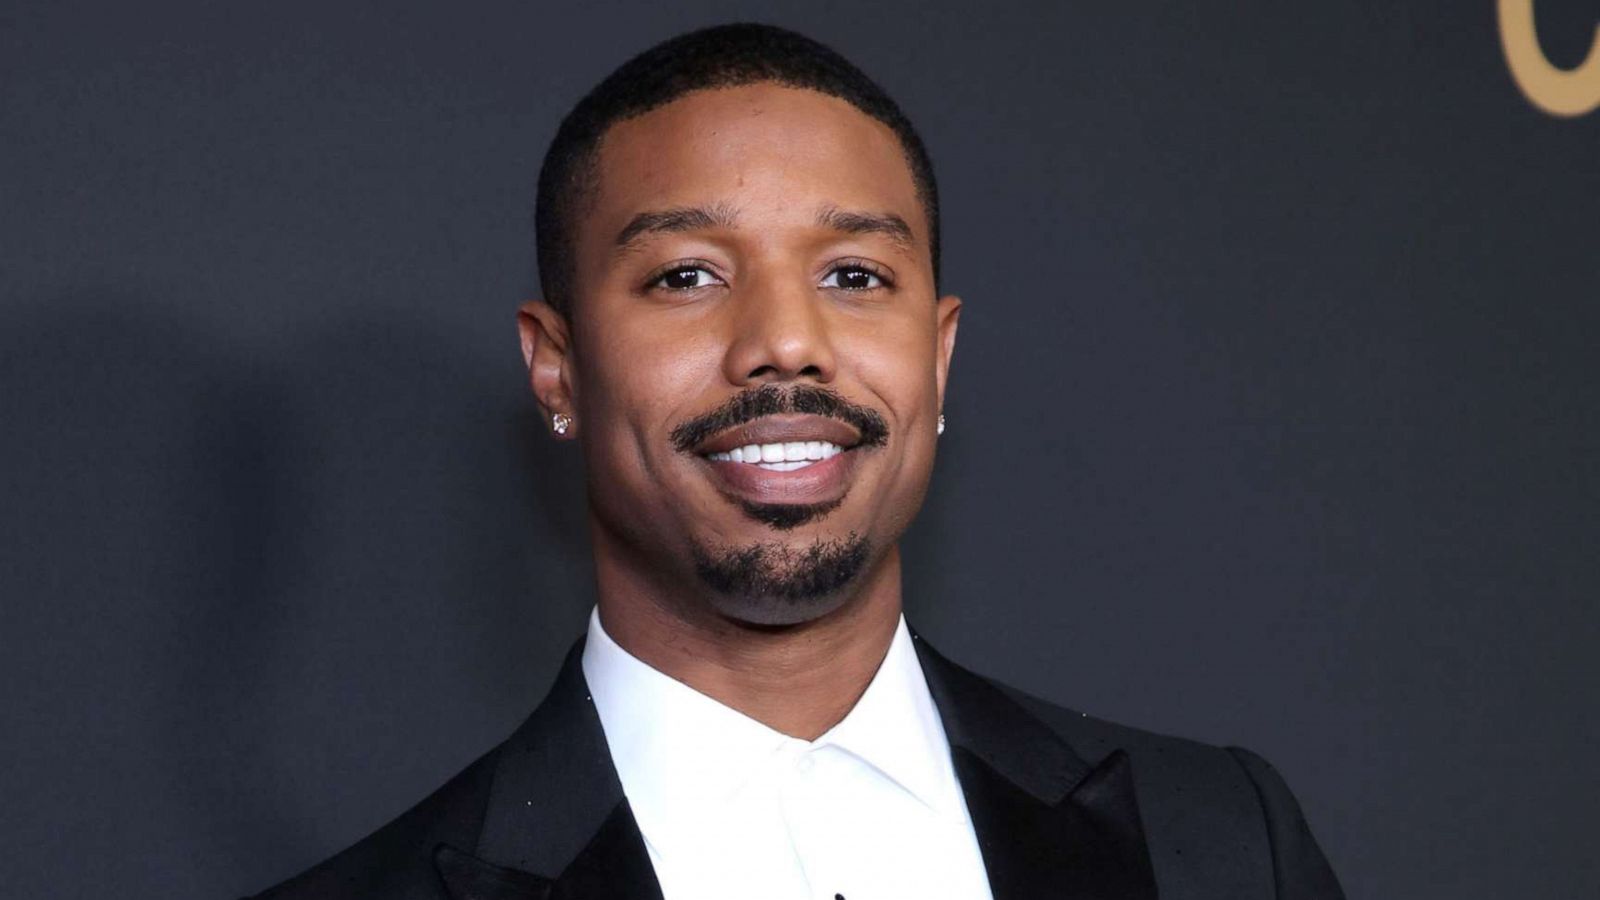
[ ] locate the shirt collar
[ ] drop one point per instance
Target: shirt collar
(895, 727)
(673, 745)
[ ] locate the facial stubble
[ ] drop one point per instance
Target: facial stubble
(773, 583)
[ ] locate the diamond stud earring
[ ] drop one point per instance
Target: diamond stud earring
(941, 423)
(561, 422)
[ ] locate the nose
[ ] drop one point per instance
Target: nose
(780, 333)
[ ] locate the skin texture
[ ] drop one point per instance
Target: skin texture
(774, 295)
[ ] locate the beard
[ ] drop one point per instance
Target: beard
(777, 584)
(772, 582)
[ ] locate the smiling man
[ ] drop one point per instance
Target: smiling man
(742, 327)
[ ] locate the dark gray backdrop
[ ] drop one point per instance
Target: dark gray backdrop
(1272, 420)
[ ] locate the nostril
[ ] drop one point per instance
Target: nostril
(774, 372)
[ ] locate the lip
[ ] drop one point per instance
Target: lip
(824, 481)
(782, 429)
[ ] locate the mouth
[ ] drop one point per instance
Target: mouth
(783, 459)
(781, 443)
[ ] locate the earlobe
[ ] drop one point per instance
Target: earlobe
(546, 352)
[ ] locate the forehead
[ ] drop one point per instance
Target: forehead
(767, 150)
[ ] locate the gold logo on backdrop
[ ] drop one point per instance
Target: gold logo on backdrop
(1559, 92)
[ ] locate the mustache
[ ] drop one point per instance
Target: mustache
(772, 399)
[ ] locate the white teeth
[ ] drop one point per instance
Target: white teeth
(785, 457)
(786, 466)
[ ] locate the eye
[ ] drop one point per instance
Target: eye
(853, 278)
(684, 278)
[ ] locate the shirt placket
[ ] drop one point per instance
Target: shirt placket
(805, 801)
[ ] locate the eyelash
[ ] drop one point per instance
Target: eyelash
(861, 265)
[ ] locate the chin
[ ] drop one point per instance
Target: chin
(782, 582)
(776, 612)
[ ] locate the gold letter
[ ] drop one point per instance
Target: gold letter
(1559, 92)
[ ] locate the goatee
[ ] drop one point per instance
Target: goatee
(773, 583)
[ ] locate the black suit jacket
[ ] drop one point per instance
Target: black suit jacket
(1064, 806)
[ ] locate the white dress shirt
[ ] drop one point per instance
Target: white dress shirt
(733, 810)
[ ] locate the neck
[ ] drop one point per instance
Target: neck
(799, 679)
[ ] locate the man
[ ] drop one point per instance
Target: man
(739, 250)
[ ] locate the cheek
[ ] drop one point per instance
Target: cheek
(637, 377)
(895, 361)
(632, 384)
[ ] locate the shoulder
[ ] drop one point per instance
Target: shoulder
(1213, 815)
(1164, 763)
(396, 861)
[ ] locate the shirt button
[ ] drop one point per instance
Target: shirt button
(805, 765)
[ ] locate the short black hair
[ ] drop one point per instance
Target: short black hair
(716, 57)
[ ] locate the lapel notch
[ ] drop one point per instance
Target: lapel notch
(467, 877)
(1048, 823)
(555, 806)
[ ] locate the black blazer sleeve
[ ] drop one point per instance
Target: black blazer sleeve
(1300, 869)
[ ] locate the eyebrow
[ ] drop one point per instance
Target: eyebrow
(703, 218)
(853, 222)
(676, 219)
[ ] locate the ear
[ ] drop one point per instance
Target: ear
(948, 315)
(547, 351)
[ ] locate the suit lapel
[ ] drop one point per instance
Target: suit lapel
(613, 864)
(556, 826)
(1048, 824)
(467, 877)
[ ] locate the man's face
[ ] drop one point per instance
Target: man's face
(755, 357)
